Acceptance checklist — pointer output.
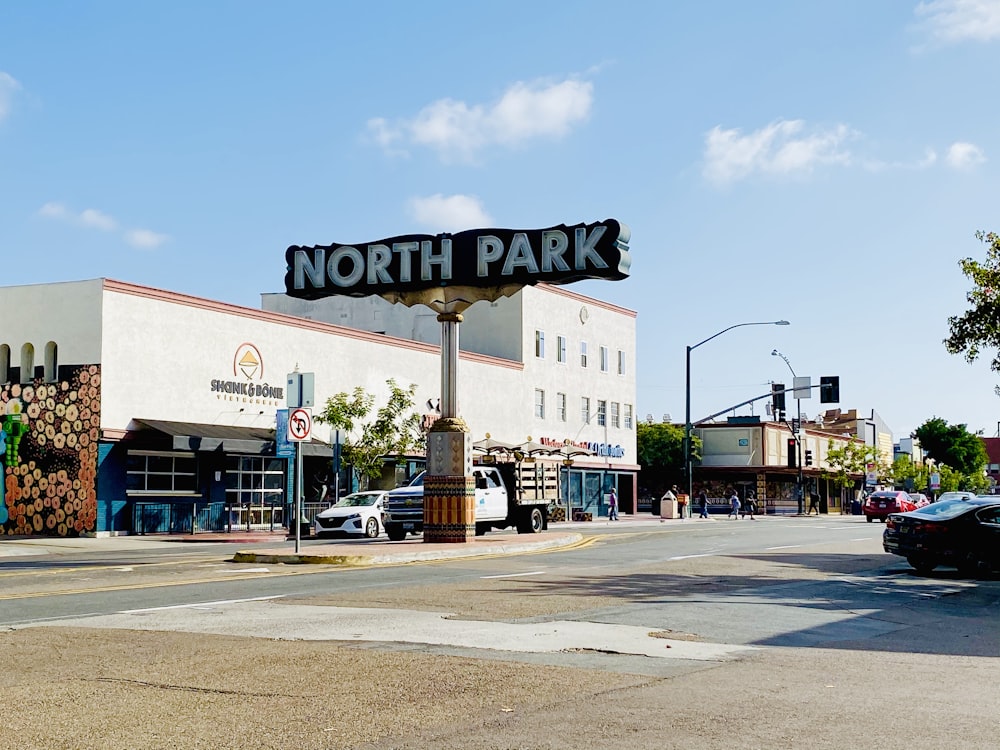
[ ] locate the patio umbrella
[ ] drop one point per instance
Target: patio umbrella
(489, 445)
(530, 448)
(570, 451)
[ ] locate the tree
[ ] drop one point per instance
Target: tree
(909, 475)
(953, 445)
(851, 460)
(393, 431)
(660, 448)
(979, 328)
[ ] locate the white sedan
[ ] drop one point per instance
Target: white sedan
(357, 513)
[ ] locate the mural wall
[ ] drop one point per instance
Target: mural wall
(51, 433)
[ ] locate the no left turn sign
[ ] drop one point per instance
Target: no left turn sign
(299, 424)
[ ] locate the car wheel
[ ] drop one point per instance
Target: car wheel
(921, 564)
(532, 522)
(371, 528)
(970, 566)
(395, 533)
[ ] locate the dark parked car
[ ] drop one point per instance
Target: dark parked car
(883, 502)
(963, 533)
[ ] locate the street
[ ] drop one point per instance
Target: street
(778, 633)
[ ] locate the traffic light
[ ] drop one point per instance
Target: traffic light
(693, 453)
(792, 453)
(777, 398)
(829, 389)
(809, 458)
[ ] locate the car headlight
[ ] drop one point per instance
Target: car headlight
(354, 517)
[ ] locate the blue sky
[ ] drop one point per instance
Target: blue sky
(825, 162)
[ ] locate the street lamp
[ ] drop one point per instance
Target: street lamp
(687, 396)
(798, 431)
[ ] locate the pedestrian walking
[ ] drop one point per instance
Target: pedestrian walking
(612, 505)
(813, 503)
(703, 504)
(749, 506)
(734, 505)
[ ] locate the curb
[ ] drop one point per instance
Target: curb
(405, 553)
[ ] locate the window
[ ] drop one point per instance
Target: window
(560, 348)
(254, 481)
(540, 344)
(602, 413)
(583, 354)
(628, 416)
(561, 407)
(161, 473)
(4, 363)
(621, 362)
(51, 362)
(615, 421)
(585, 409)
(604, 359)
(27, 363)
(540, 403)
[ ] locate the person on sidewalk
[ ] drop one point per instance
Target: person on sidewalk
(734, 505)
(813, 503)
(681, 506)
(702, 504)
(612, 505)
(749, 506)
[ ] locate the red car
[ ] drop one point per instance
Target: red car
(880, 504)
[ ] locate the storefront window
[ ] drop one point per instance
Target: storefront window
(161, 473)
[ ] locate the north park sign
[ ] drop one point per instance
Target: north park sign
(496, 260)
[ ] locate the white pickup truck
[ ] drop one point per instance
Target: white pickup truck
(497, 506)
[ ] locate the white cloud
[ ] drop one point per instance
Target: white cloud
(7, 88)
(781, 148)
(964, 155)
(53, 211)
(449, 213)
(460, 131)
(145, 238)
(951, 21)
(91, 218)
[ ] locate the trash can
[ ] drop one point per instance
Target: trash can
(855, 507)
(668, 508)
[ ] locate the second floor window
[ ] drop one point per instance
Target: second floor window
(561, 407)
(560, 348)
(585, 409)
(615, 420)
(540, 403)
(628, 416)
(540, 344)
(583, 354)
(604, 359)
(602, 413)
(621, 362)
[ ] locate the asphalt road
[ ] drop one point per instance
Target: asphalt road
(779, 633)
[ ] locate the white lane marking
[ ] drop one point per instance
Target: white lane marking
(247, 570)
(787, 546)
(198, 605)
(516, 575)
(124, 569)
(688, 557)
(862, 539)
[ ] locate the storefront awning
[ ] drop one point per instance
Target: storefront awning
(193, 436)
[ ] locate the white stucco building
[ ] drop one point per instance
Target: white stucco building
(181, 394)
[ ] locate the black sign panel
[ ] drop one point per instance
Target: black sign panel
(474, 258)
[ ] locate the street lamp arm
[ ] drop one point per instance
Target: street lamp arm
(737, 325)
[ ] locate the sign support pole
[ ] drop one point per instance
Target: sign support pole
(449, 487)
(298, 496)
